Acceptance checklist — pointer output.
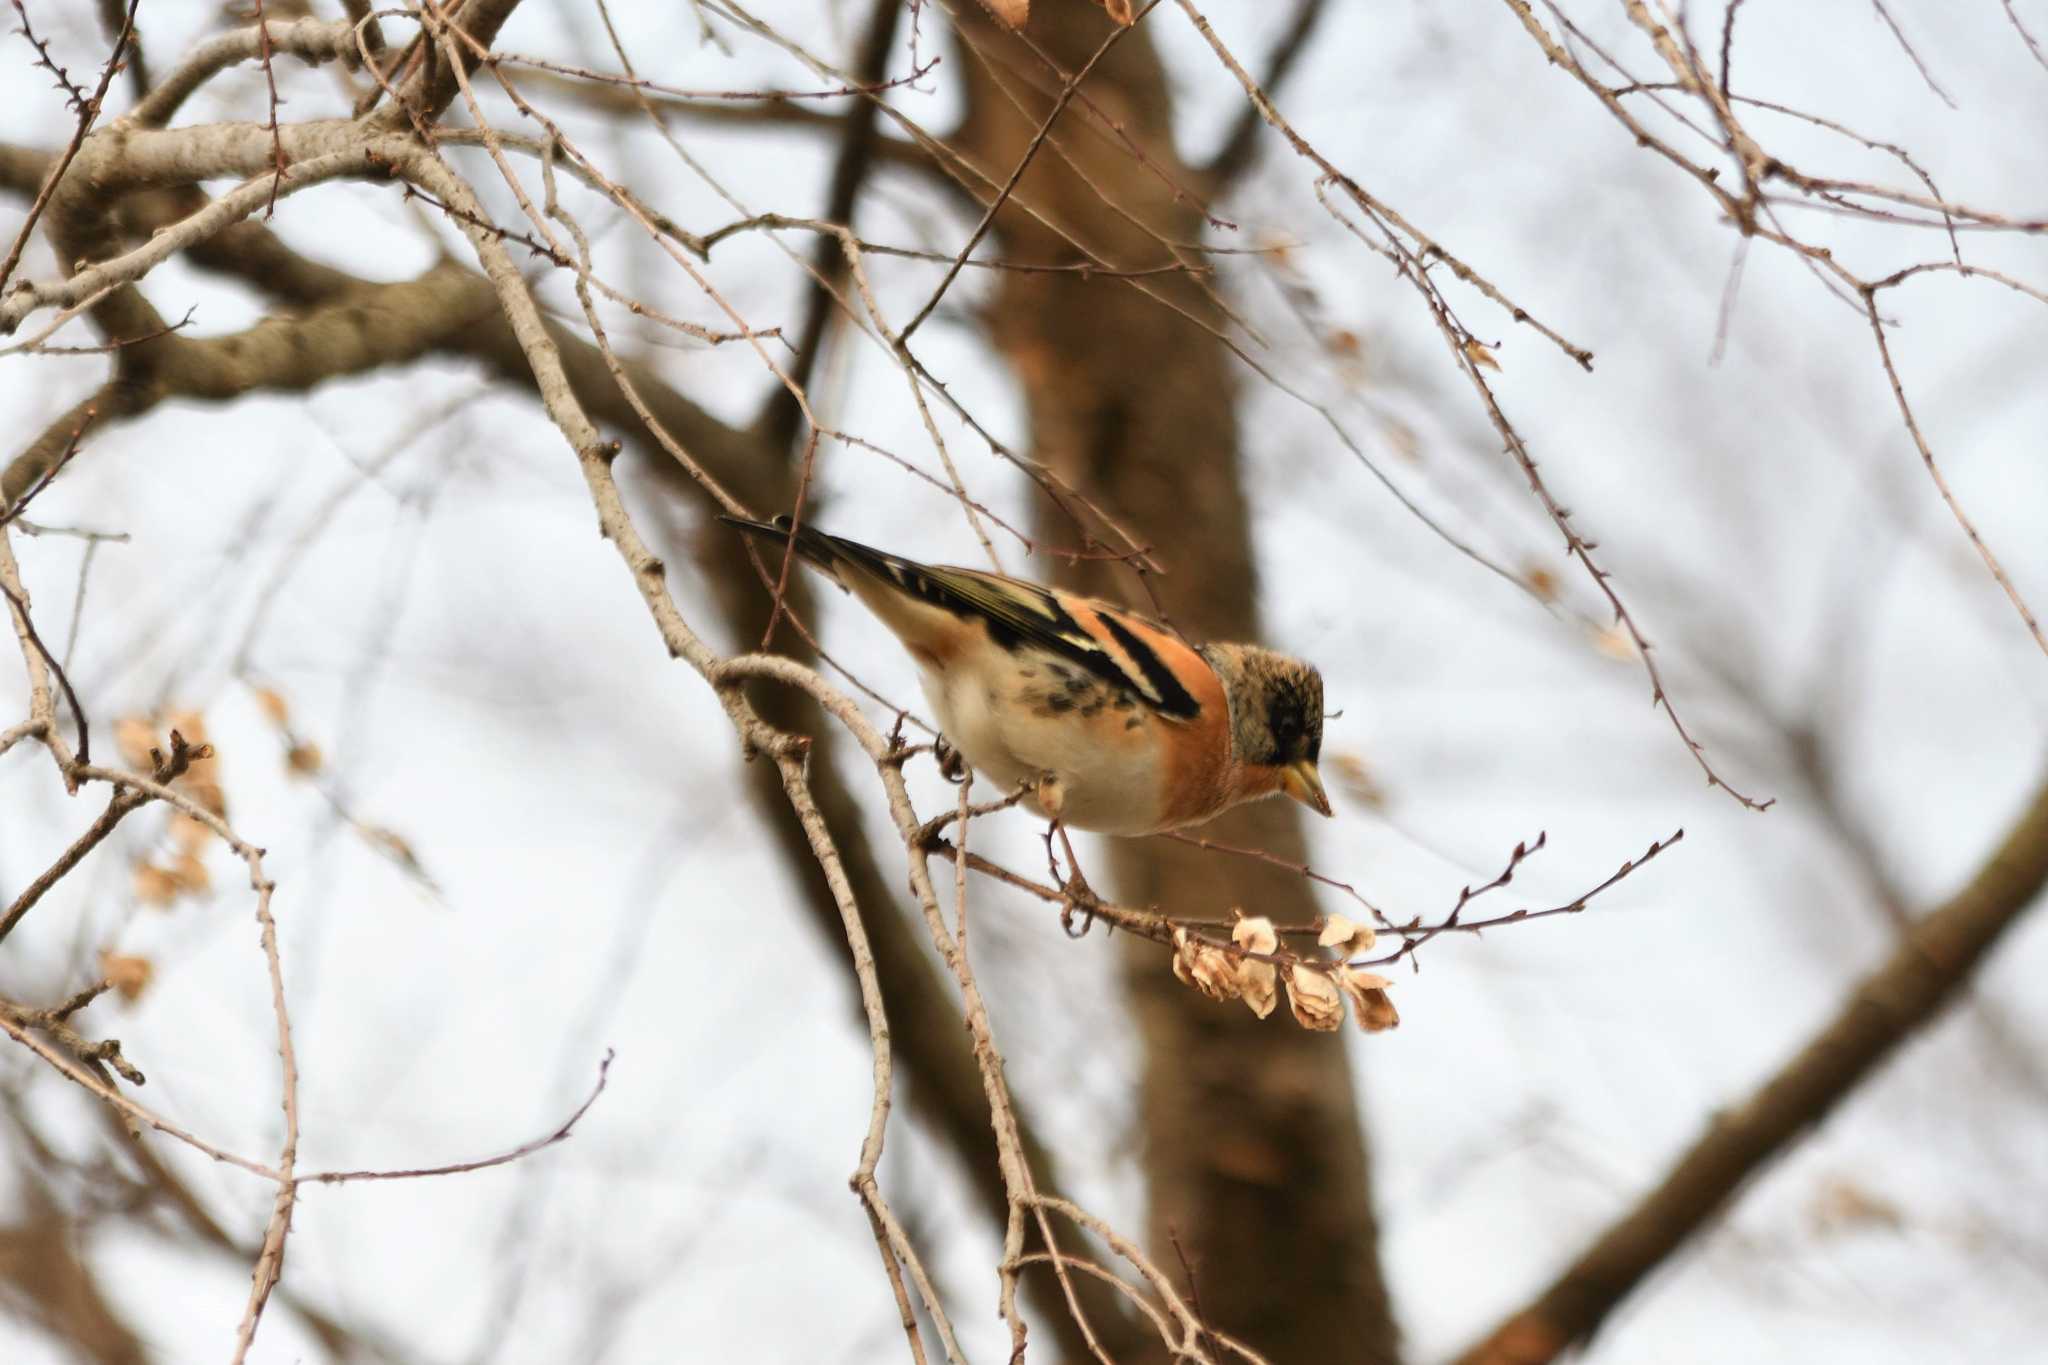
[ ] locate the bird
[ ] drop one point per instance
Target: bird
(1101, 718)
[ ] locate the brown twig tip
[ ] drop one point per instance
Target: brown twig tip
(1218, 968)
(55, 1022)
(182, 756)
(108, 1050)
(82, 999)
(562, 1132)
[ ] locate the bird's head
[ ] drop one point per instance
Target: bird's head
(1276, 718)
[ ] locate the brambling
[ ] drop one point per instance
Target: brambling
(1107, 720)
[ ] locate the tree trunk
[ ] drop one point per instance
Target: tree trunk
(1254, 1151)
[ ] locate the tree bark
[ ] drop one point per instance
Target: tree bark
(50, 1285)
(1254, 1151)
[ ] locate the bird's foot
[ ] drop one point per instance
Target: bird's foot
(1076, 894)
(952, 766)
(1081, 898)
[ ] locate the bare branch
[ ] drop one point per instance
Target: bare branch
(2033, 47)
(1932, 963)
(313, 41)
(1023, 163)
(1914, 56)
(88, 107)
(525, 1149)
(1752, 211)
(81, 1075)
(1240, 146)
(124, 800)
(850, 168)
(41, 666)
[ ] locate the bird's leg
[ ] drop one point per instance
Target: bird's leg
(1052, 799)
(1077, 893)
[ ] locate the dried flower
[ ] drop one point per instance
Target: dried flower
(1841, 1204)
(390, 842)
(1358, 782)
(272, 704)
(1206, 967)
(135, 736)
(1370, 1003)
(1256, 980)
(188, 875)
(1350, 938)
(1615, 643)
(155, 885)
(1313, 998)
(129, 975)
(188, 834)
(201, 781)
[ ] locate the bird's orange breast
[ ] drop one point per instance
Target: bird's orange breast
(1197, 771)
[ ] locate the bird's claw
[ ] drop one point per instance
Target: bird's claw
(1079, 896)
(952, 766)
(1074, 888)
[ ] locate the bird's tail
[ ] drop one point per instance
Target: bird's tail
(861, 568)
(812, 544)
(830, 553)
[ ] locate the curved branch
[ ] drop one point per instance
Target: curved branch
(768, 116)
(1930, 967)
(312, 40)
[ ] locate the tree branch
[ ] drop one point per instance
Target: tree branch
(88, 110)
(343, 324)
(1930, 967)
(857, 139)
(314, 40)
(767, 116)
(1240, 146)
(43, 1263)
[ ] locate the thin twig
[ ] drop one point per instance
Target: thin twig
(32, 643)
(88, 108)
(124, 800)
(995, 205)
(1907, 48)
(270, 80)
(525, 1149)
(78, 1074)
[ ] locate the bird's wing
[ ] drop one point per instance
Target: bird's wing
(1115, 645)
(1118, 646)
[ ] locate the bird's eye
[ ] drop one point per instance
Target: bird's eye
(1285, 724)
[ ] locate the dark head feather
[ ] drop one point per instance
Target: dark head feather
(1276, 704)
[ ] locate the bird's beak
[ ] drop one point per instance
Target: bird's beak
(1302, 782)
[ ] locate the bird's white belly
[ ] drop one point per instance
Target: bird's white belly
(1009, 745)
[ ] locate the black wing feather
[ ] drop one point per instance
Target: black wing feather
(1016, 613)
